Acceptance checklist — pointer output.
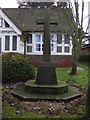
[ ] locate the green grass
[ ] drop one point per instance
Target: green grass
(10, 112)
(84, 65)
(80, 79)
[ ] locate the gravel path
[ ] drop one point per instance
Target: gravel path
(79, 68)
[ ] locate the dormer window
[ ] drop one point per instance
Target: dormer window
(6, 24)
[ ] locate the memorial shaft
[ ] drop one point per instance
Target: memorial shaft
(46, 49)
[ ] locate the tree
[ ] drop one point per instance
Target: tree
(76, 26)
(77, 40)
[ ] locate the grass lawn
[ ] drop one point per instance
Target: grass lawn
(81, 79)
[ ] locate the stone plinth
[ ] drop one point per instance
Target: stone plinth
(31, 87)
(46, 74)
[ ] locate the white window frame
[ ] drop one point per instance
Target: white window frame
(12, 43)
(9, 43)
(11, 40)
(41, 43)
(37, 42)
(63, 45)
(60, 45)
(30, 44)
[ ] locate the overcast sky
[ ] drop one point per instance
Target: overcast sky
(13, 4)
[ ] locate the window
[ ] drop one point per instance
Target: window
(38, 47)
(38, 43)
(67, 39)
(6, 24)
(0, 22)
(7, 43)
(14, 43)
(29, 48)
(59, 38)
(66, 49)
(52, 47)
(59, 49)
(38, 38)
(52, 42)
(29, 38)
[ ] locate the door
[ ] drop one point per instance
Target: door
(0, 45)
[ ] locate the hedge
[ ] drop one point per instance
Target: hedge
(84, 57)
(16, 67)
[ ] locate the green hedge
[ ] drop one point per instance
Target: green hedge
(16, 67)
(84, 57)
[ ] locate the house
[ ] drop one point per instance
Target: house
(20, 33)
(86, 46)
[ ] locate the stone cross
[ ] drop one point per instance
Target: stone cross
(47, 21)
(46, 73)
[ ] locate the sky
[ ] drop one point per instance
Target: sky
(13, 4)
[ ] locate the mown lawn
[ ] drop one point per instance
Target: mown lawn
(81, 79)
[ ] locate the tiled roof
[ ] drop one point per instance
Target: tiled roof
(25, 18)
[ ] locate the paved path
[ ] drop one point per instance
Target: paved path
(79, 68)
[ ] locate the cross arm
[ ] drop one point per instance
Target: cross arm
(40, 21)
(54, 21)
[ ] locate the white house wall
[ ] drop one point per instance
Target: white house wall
(11, 32)
(21, 44)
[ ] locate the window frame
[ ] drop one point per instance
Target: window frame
(59, 51)
(38, 42)
(41, 43)
(67, 39)
(52, 42)
(9, 43)
(27, 49)
(12, 42)
(67, 47)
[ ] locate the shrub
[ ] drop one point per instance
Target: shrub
(84, 57)
(16, 67)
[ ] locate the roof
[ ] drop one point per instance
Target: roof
(35, 4)
(25, 18)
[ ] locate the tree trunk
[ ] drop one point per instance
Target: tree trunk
(74, 56)
(75, 44)
(74, 66)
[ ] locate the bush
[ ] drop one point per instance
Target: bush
(84, 57)
(16, 67)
